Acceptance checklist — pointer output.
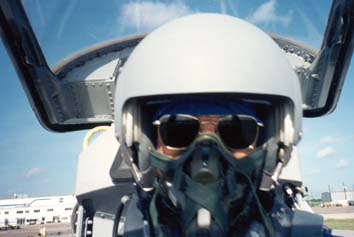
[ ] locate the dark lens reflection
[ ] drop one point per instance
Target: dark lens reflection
(237, 132)
(178, 131)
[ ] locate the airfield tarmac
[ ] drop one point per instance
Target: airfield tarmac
(64, 229)
(55, 229)
(335, 212)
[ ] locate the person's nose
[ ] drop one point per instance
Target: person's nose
(208, 127)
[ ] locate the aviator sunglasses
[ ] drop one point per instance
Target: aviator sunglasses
(178, 131)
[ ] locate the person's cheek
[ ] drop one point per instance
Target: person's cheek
(242, 153)
(167, 152)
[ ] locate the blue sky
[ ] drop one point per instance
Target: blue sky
(38, 162)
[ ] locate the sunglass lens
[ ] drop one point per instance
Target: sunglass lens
(238, 132)
(178, 131)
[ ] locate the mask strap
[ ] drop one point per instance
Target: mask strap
(153, 213)
(204, 196)
(137, 174)
(266, 220)
(159, 229)
(162, 162)
(278, 155)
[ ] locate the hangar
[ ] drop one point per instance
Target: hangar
(19, 211)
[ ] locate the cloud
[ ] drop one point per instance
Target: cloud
(34, 172)
(335, 139)
(266, 14)
(329, 139)
(342, 164)
(145, 16)
(326, 152)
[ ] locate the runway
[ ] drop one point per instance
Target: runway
(345, 233)
(59, 230)
(335, 212)
(64, 229)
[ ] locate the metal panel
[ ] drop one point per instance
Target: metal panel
(79, 221)
(103, 224)
(328, 72)
(78, 93)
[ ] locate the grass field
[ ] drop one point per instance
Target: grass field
(341, 224)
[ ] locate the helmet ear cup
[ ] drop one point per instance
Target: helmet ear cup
(144, 146)
(127, 127)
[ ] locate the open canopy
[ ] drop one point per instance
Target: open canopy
(78, 92)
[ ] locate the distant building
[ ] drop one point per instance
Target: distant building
(36, 210)
(326, 197)
(338, 197)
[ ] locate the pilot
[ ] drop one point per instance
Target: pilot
(208, 110)
(187, 122)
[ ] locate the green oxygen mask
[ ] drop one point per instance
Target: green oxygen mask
(204, 191)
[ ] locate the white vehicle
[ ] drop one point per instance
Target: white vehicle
(10, 223)
(125, 184)
(342, 203)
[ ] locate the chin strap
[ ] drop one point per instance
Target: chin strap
(142, 178)
(265, 217)
(278, 155)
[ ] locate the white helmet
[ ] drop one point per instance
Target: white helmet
(208, 54)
